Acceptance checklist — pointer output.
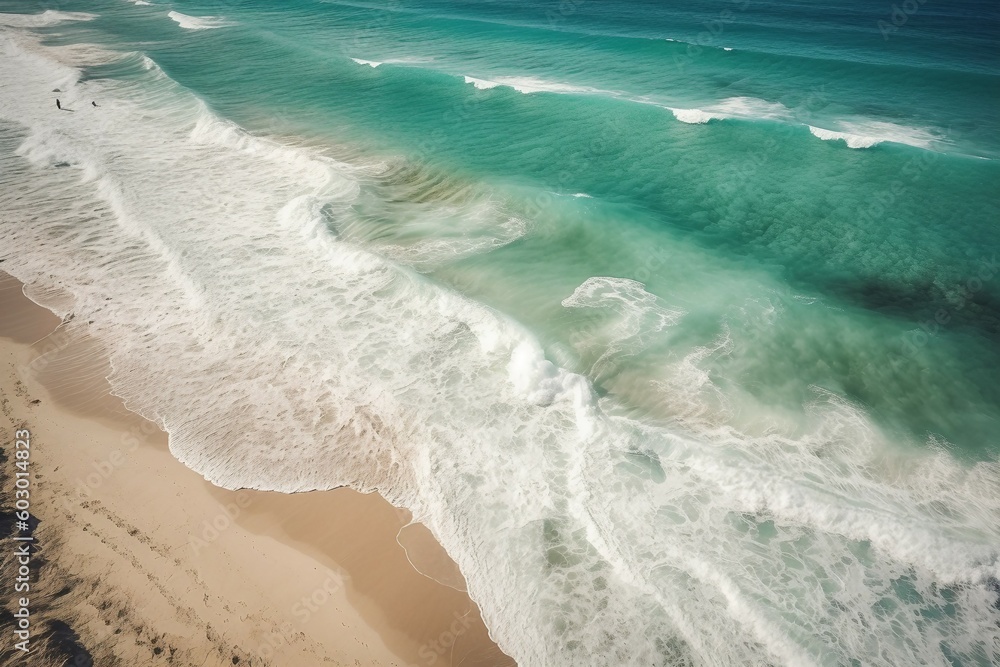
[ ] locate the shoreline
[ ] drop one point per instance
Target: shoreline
(316, 577)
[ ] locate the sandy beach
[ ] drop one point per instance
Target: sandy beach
(140, 561)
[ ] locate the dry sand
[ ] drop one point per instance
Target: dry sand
(140, 561)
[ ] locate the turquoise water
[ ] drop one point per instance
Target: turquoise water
(678, 325)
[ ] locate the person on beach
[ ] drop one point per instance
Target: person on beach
(94, 103)
(58, 105)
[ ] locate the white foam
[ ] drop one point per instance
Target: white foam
(625, 297)
(371, 63)
(55, 149)
(437, 232)
(530, 84)
(637, 317)
(748, 108)
(862, 133)
(481, 84)
(692, 116)
(48, 18)
(198, 22)
(865, 134)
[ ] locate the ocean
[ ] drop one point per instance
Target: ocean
(678, 324)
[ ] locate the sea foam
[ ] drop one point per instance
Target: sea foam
(198, 22)
(481, 84)
(865, 134)
(48, 18)
(529, 84)
(747, 108)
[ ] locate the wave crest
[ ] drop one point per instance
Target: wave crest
(865, 134)
(198, 22)
(748, 108)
